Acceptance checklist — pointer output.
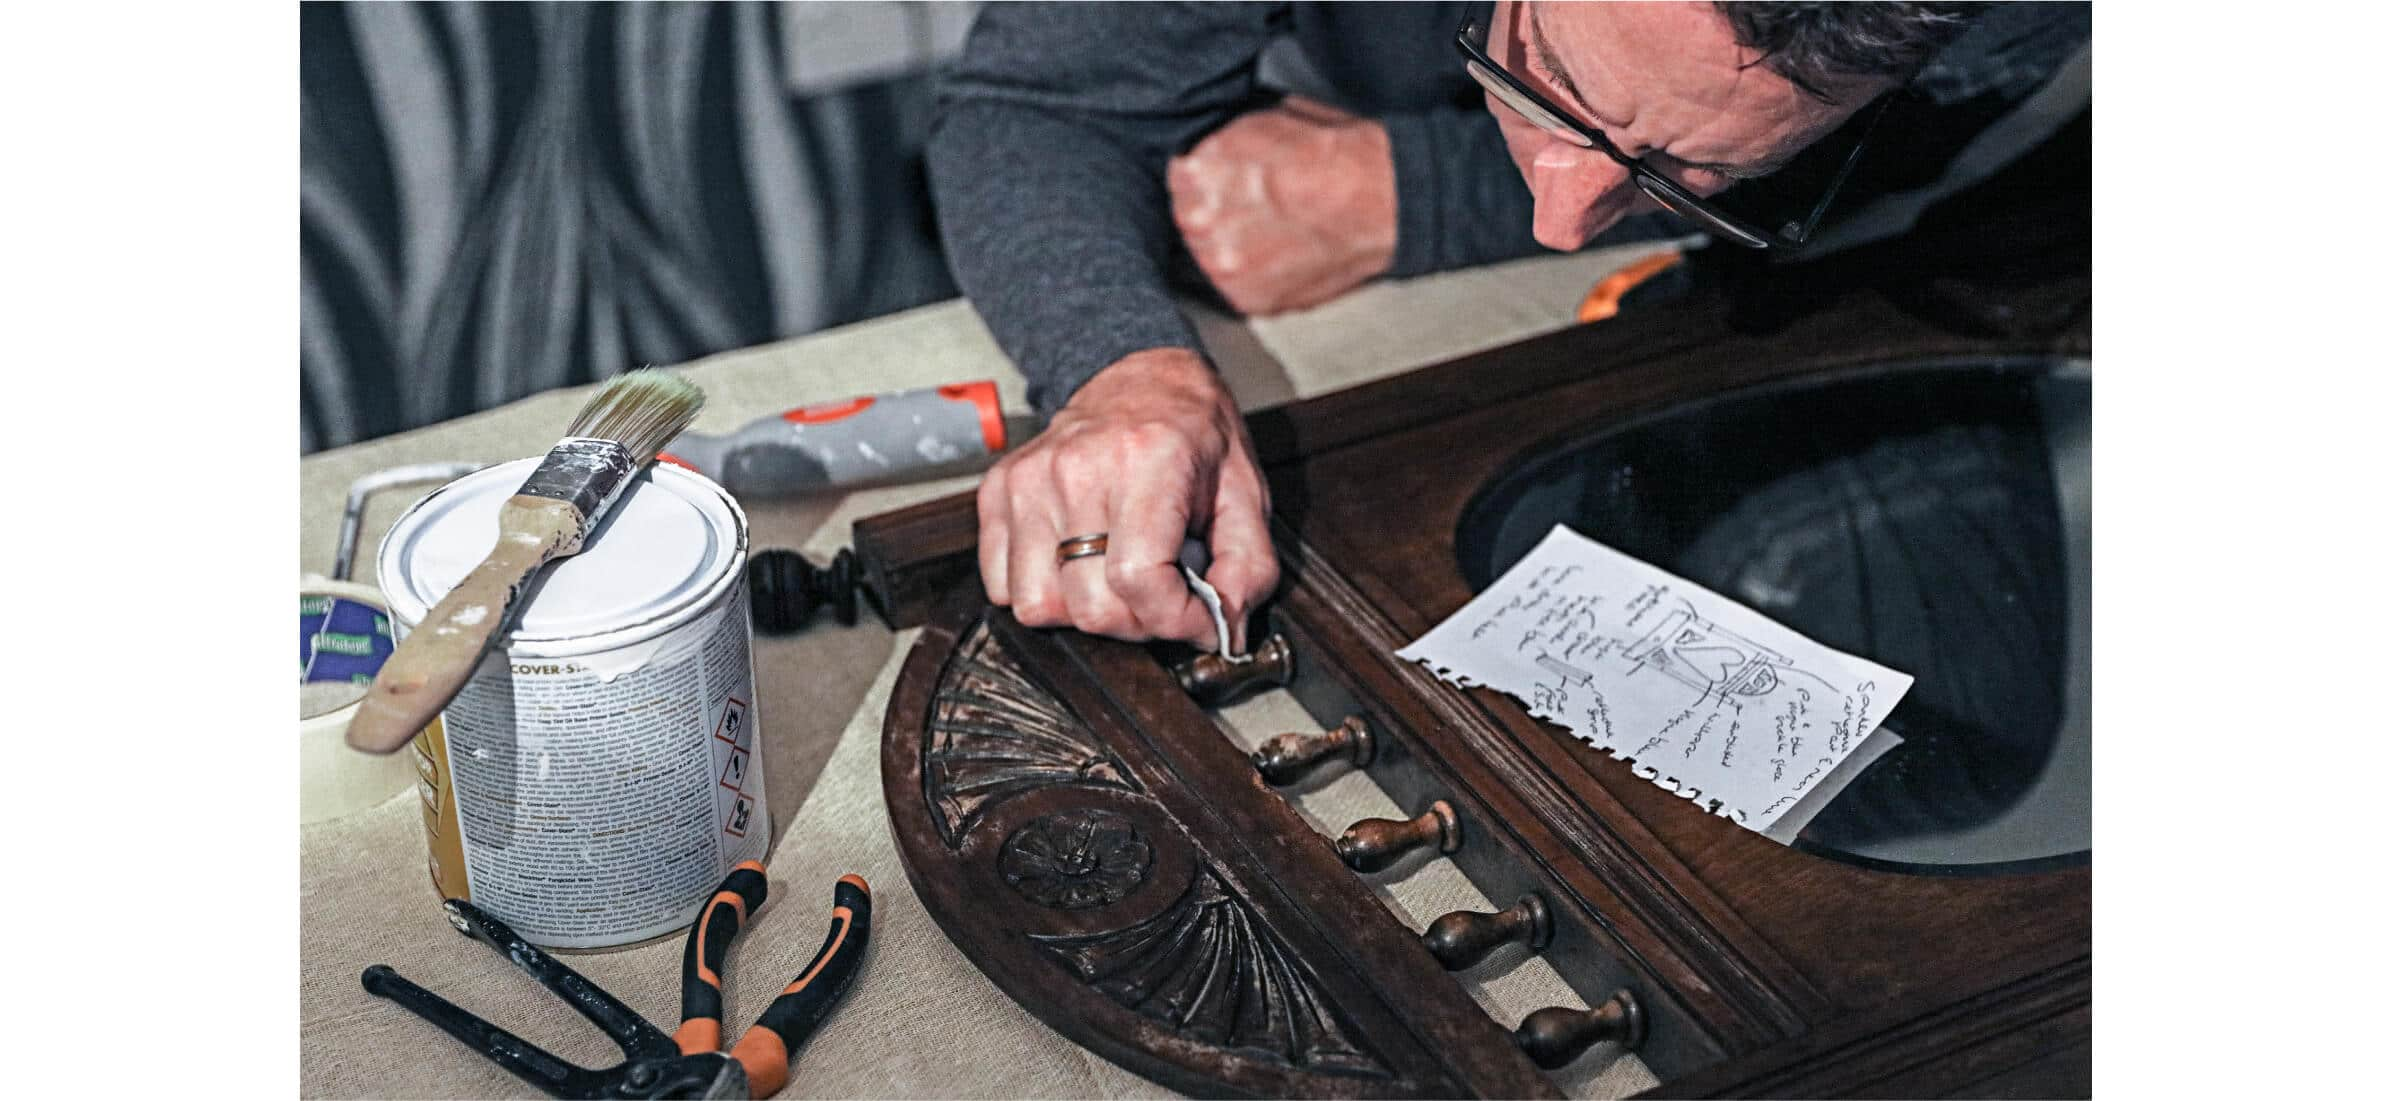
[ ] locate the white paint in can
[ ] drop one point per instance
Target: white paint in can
(600, 773)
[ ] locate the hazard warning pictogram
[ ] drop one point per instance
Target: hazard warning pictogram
(737, 824)
(733, 727)
(735, 770)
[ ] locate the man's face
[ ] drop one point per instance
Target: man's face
(1667, 83)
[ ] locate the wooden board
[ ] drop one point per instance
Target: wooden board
(1760, 969)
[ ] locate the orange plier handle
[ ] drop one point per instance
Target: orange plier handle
(764, 1051)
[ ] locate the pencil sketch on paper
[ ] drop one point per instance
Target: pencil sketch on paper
(1698, 693)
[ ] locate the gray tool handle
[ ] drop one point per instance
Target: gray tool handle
(868, 440)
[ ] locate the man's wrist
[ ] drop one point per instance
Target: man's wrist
(1168, 368)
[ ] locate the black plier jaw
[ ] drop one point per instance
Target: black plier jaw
(712, 1074)
(656, 1065)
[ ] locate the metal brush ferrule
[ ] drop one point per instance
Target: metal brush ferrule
(584, 472)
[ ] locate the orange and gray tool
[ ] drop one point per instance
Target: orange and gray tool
(859, 441)
(691, 1062)
(1613, 291)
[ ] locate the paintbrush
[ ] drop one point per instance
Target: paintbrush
(616, 436)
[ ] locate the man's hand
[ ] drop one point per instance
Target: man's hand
(1150, 451)
(1287, 207)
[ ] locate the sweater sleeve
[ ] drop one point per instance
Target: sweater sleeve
(1046, 164)
(1460, 202)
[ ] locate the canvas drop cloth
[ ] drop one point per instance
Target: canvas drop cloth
(921, 1021)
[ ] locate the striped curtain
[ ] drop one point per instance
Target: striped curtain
(501, 199)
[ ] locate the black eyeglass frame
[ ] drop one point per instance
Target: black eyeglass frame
(1470, 39)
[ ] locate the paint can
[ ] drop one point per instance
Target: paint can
(600, 773)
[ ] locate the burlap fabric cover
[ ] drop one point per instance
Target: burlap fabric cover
(921, 1021)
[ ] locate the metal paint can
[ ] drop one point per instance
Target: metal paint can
(600, 773)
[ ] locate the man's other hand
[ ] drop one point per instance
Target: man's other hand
(1287, 207)
(1150, 451)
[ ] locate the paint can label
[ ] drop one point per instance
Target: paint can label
(594, 781)
(591, 811)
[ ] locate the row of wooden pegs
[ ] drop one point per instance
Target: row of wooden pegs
(1552, 1036)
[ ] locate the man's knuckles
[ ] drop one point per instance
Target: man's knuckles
(1112, 622)
(1045, 609)
(994, 498)
(1154, 442)
(1083, 473)
(1152, 589)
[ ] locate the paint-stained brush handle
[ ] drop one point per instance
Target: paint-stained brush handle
(741, 894)
(434, 661)
(610, 441)
(764, 1052)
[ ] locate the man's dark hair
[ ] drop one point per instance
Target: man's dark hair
(1814, 44)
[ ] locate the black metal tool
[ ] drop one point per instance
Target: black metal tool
(690, 1063)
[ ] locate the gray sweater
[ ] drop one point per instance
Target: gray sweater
(1055, 124)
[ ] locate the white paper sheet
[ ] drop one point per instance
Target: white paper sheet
(1697, 692)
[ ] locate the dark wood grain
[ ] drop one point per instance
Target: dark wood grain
(1756, 969)
(1044, 791)
(914, 556)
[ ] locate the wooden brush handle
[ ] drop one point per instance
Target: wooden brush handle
(436, 658)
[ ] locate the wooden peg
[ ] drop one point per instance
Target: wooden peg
(1374, 843)
(1555, 1035)
(1464, 937)
(1286, 758)
(1215, 680)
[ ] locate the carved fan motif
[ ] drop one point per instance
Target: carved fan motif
(1207, 968)
(994, 733)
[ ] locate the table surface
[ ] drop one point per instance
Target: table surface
(920, 1021)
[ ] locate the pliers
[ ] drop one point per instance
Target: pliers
(689, 1063)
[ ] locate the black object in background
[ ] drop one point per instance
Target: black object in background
(785, 590)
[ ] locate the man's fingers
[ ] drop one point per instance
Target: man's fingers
(1154, 591)
(1153, 507)
(995, 525)
(1087, 594)
(1030, 550)
(1245, 569)
(1195, 199)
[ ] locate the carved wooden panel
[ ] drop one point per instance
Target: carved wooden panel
(1052, 841)
(993, 732)
(1093, 844)
(1208, 966)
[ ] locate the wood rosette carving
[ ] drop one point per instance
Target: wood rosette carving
(1051, 842)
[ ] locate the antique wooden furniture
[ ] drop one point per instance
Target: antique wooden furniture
(1081, 830)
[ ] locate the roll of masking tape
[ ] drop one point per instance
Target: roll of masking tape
(344, 636)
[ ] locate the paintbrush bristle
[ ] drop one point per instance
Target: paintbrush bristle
(642, 410)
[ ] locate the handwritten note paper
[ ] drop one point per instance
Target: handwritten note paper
(1698, 693)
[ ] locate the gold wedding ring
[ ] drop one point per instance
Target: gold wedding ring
(1079, 546)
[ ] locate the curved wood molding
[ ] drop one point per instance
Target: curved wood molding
(994, 733)
(1041, 832)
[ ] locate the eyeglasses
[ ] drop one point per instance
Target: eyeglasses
(1471, 40)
